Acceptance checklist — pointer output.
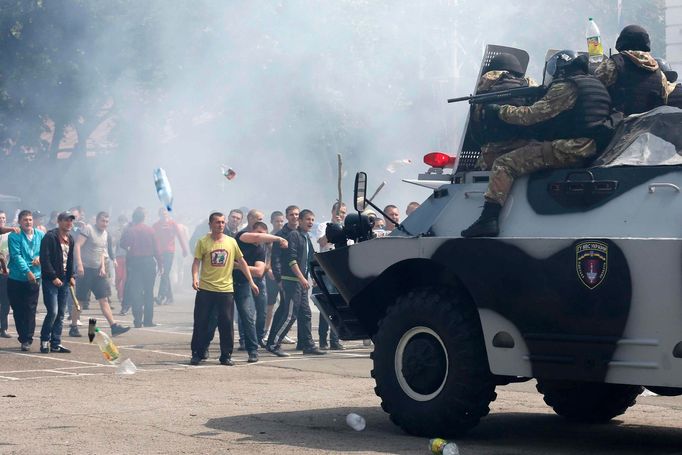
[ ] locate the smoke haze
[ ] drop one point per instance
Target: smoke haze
(276, 89)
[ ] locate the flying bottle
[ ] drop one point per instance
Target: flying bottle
(163, 188)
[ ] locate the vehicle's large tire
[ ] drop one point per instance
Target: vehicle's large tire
(430, 364)
(588, 402)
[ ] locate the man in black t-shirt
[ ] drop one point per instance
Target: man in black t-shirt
(254, 254)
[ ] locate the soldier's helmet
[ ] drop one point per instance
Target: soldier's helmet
(506, 62)
(633, 38)
(670, 74)
(565, 63)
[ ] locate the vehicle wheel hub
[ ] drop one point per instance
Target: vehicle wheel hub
(421, 363)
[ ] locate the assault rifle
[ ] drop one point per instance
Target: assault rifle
(500, 97)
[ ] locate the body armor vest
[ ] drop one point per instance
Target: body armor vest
(637, 90)
(592, 107)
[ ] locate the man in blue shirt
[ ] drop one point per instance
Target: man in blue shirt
(23, 284)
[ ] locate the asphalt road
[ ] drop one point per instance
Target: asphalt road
(75, 403)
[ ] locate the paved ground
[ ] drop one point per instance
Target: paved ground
(74, 403)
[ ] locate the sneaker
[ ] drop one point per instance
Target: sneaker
(4, 334)
(60, 348)
(26, 346)
(195, 360)
(277, 350)
(45, 347)
(138, 325)
(323, 345)
(253, 357)
(78, 322)
(337, 346)
(123, 311)
(313, 351)
(226, 360)
(74, 332)
(118, 329)
(287, 340)
(151, 324)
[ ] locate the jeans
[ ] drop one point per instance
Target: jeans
(261, 301)
(205, 303)
(288, 310)
(165, 290)
(141, 274)
(4, 303)
(55, 299)
(246, 307)
(23, 297)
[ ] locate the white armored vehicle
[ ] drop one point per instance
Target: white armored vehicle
(582, 290)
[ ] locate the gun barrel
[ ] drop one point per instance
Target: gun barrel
(461, 98)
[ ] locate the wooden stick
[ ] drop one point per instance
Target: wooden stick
(340, 200)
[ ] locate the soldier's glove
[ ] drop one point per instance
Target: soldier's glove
(491, 111)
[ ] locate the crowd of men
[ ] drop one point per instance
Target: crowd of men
(238, 263)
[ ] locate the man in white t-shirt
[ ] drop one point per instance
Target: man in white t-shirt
(91, 258)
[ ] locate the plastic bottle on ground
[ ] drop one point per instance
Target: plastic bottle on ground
(108, 348)
(440, 446)
(126, 367)
(356, 421)
(594, 44)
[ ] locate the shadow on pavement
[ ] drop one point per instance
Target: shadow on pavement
(499, 433)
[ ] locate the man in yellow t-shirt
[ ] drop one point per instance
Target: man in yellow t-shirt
(216, 254)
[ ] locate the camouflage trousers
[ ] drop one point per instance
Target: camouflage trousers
(493, 150)
(533, 157)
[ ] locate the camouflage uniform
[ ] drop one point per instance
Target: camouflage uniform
(492, 150)
(536, 155)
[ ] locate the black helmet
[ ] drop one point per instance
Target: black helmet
(566, 62)
(506, 62)
(667, 70)
(633, 38)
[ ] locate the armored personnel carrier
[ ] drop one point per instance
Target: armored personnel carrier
(582, 290)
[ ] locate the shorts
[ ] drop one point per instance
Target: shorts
(91, 281)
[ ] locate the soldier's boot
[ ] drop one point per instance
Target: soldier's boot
(487, 224)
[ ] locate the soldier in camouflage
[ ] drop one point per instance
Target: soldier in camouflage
(565, 124)
(504, 72)
(633, 77)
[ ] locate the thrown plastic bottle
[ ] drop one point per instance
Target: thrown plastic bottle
(163, 188)
(594, 44)
(356, 421)
(440, 446)
(108, 348)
